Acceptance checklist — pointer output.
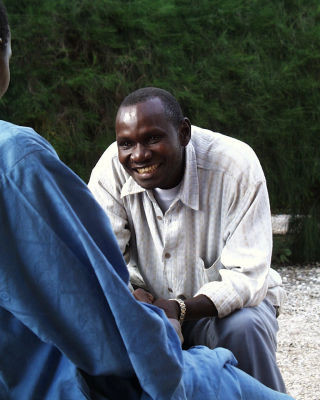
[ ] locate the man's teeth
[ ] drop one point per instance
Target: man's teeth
(149, 169)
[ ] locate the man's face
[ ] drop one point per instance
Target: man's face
(5, 55)
(150, 148)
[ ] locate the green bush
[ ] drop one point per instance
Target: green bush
(246, 68)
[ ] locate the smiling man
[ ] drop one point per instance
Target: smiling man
(149, 147)
(191, 213)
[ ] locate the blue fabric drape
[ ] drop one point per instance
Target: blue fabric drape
(69, 327)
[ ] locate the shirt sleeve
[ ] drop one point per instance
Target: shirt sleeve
(106, 182)
(56, 240)
(246, 255)
(63, 277)
(106, 188)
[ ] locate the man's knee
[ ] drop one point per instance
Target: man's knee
(240, 325)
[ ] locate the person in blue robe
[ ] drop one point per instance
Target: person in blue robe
(69, 327)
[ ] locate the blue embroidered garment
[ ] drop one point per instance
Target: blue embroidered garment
(69, 327)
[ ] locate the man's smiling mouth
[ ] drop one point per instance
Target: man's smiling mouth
(147, 170)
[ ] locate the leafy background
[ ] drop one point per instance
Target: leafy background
(247, 68)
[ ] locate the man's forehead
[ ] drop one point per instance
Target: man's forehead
(150, 108)
(127, 114)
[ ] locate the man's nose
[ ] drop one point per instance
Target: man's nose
(140, 153)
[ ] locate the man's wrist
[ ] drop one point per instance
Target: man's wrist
(183, 309)
(200, 307)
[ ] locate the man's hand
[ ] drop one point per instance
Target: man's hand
(170, 307)
(142, 295)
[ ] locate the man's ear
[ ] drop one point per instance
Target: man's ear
(185, 132)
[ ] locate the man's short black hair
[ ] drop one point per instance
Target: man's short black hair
(171, 106)
(4, 25)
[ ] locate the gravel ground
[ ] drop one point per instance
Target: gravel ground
(299, 335)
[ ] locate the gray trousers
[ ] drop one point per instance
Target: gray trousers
(250, 333)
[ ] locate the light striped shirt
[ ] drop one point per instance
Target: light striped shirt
(216, 237)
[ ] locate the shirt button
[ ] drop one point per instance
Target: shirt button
(167, 255)
(159, 218)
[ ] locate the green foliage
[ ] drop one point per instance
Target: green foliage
(281, 250)
(246, 68)
(305, 244)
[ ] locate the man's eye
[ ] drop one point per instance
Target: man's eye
(153, 139)
(124, 145)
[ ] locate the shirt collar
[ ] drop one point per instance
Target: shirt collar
(189, 191)
(131, 187)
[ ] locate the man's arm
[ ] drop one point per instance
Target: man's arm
(244, 260)
(106, 182)
(63, 276)
(55, 239)
(196, 308)
(105, 185)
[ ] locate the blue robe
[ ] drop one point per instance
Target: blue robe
(69, 327)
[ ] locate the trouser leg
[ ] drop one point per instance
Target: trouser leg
(250, 333)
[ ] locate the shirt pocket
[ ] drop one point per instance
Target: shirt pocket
(203, 275)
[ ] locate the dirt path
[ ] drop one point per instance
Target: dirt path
(299, 335)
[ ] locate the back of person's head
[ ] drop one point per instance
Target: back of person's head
(171, 106)
(4, 26)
